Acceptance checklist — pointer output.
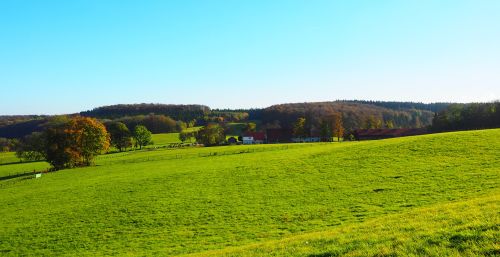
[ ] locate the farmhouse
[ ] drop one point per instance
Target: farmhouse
(254, 138)
(371, 134)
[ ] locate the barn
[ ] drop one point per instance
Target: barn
(254, 138)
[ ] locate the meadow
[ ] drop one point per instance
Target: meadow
(426, 195)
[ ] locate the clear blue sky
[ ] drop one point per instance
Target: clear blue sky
(68, 56)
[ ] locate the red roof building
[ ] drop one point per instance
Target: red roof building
(257, 136)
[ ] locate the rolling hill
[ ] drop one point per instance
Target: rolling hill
(432, 195)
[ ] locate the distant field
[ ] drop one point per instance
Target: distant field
(8, 157)
(168, 138)
(165, 139)
(427, 195)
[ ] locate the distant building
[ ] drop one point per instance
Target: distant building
(247, 140)
(279, 135)
(314, 136)
(254, 138)
(371, 134)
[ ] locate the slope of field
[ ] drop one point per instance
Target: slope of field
(169, 202)
(169, 138)
(165, 139)
(465, 228)
(8, 157)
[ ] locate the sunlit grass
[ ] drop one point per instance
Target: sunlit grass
(181, 201)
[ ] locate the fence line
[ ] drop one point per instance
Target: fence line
(208, 154)
(105, 158)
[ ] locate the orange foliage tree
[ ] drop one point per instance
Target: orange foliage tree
(75, 142)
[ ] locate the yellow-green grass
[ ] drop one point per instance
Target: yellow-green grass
(170, 202)
(8, 157)
(11, 165)
(165, 139)
(463, 228)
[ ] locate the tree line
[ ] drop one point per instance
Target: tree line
(164, 118)
(67, 142)
(468, 116)
(177, 112)
(354, 116)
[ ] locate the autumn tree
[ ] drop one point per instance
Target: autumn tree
(74, 142)
(338, 127)
(120, 135)
(90, 136)
(142, 136)
(299, 127)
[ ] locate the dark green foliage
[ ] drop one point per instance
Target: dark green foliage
(177, 112)
(433, 107)
(210, 135)
(468, 116)
(7, 145)
(187, 135)
(155, 123)
(33, 147)
(121, 138)
(22, 128)
(60, 150)
(227, 115)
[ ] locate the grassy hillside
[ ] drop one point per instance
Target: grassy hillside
(168, 138)
(169, 202)
(165, 139)
(464, 228)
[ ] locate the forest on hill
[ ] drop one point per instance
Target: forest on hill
(176, 112)
(165, 118)
(354, 115)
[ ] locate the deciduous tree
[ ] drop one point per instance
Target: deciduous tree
(142, 136)
(299, 127)
(91, 137)
(212, 134)
(120, 135)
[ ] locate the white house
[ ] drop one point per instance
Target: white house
(247, 140)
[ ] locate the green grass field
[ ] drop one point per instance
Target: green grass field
(432, 195)
(169, 138)
(8, 157)
(165, 139)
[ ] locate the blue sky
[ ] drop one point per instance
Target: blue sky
(68, 56)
